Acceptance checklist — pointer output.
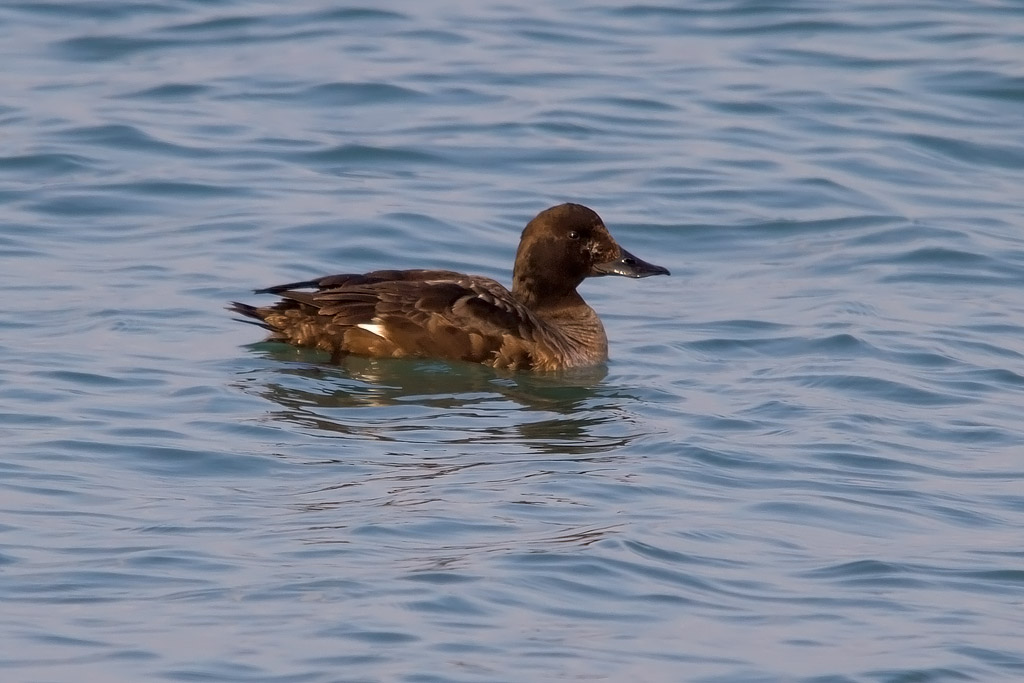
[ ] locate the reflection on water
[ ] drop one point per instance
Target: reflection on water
(433, 403)
(449, 439)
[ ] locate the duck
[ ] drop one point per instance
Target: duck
(540, 324)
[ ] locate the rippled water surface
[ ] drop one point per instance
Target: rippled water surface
(802, 463)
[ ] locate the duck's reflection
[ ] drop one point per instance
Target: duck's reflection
(434, 403)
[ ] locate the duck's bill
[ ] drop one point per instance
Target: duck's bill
(628, 265)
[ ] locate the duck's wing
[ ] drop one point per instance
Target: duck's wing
(425, 313)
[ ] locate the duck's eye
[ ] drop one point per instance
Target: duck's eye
(573, 235)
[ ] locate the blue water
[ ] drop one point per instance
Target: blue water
(803, 462)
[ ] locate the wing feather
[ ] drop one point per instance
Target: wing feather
(412, 312)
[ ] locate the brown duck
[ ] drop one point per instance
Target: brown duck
(542, 324)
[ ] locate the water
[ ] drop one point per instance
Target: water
(802, 463)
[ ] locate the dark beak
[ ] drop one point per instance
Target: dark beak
(628, 265)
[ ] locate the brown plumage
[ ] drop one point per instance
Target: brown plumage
(542, 324)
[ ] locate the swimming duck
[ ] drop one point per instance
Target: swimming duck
(542, 324)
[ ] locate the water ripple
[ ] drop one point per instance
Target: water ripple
(804, 448)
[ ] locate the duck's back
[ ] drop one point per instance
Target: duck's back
(409, 313)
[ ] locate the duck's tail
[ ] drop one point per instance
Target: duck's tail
(258, 315)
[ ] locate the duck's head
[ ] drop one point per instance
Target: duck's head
(564, 245)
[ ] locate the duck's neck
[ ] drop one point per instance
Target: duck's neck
(550, 294)
(577, 323)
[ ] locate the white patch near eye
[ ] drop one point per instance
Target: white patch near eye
(373, 328)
